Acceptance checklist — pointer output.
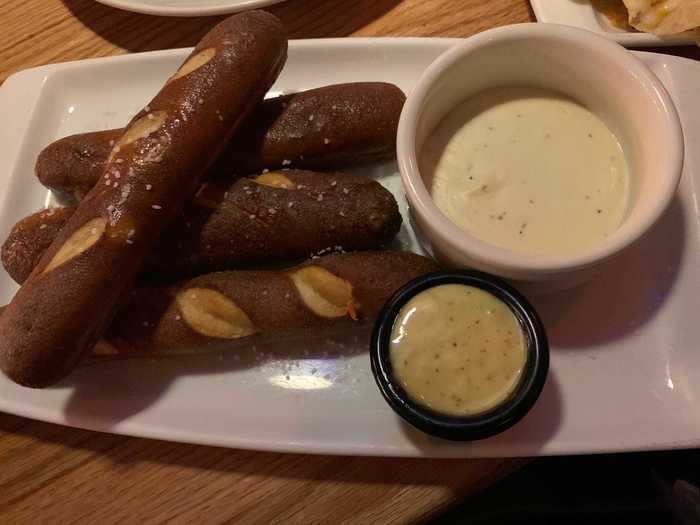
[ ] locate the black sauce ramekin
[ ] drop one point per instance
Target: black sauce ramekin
(478, 426)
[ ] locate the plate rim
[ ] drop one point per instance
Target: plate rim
(139, 6)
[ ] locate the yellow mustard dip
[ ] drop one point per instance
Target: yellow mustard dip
(457, 350)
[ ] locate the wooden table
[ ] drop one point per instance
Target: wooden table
(60, 475)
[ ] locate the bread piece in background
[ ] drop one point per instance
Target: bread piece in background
(668, 17)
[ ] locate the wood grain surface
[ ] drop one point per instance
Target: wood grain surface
(49, 474)
(52, 474)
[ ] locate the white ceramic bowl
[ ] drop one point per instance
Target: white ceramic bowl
(596, 72)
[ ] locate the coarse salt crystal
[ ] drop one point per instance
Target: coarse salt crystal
(341, 213)
(148, 187)
(201, 101)
(272, 211)
(42, 226)
(326, 141)
(119, 161)
(266, 171)
(156, 207)
(286, 162)
(290, 204)
(346, 191)
(334, 183)
(150, 116)
(320, 197)
(311, 117)
(129, 241)
(177, 317)
(251, 217)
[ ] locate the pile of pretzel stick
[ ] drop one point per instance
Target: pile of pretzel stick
(176, 214)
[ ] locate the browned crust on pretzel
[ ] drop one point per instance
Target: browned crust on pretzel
(327, 127)
(29, 239)
(152, 322)
(74, 164)
(70, 298)
(258, 224)
(244, 223)
(323, 128)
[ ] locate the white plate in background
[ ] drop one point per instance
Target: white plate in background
(188, 7)
(580, 13)
(625, 357)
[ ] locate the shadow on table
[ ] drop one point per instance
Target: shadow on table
(302, 19)
(458, 476)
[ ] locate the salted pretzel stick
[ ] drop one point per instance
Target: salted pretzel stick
(322, 128)
(211, 311)
(286, 216)
(70, 298)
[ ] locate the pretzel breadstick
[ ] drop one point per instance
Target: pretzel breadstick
(29, 239)
(277, 216)
(210, 311)
(67, 302)
(328, 127)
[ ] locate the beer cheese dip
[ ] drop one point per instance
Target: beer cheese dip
(457, 350)
(528, 170)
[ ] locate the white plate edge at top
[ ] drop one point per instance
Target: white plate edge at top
(549, 11)
(146, 8)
